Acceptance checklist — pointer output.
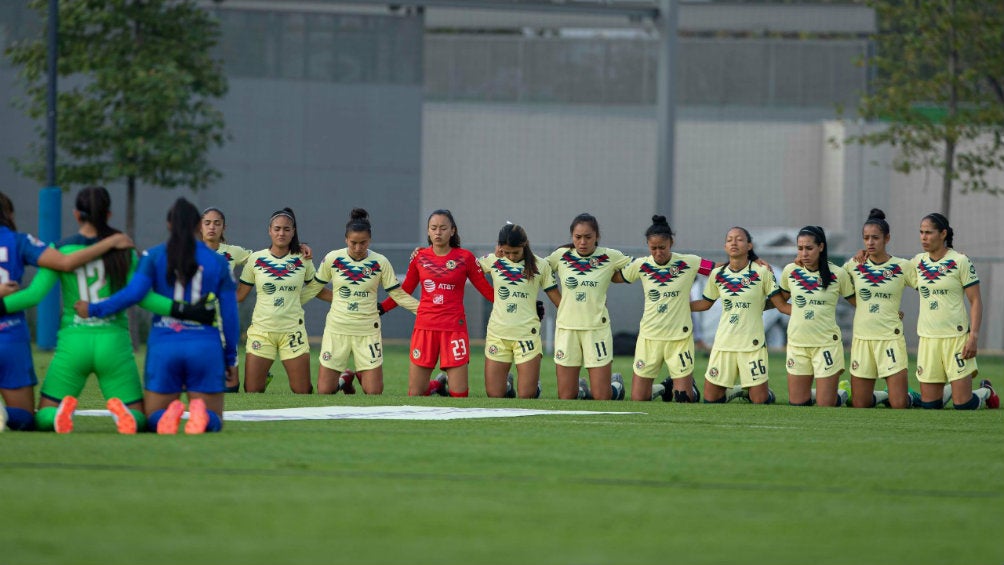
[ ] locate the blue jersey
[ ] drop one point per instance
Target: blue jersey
(16, 250)
(214, 276)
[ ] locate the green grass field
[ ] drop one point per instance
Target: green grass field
(682, 484)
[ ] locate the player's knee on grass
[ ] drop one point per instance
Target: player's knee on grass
(21, 420)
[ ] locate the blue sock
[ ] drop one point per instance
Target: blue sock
(932, 405)
(719, 401)
(215, 424)
(771, 399)
(806, 403)
(153, 420)
(20, 420)
(972, 404)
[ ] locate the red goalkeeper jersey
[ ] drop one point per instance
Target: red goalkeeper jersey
(441, 306)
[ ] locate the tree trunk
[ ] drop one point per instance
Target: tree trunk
(133, 314)
(951, 136)
(946, 178)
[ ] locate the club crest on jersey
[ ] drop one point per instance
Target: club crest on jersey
(807, 283)
(451, 264)
(493, 349)
(876, 277)
(664, 275)
(416, 353)
(584, 265)
(256, 345)
(639, 364)
(854, 365)
(735, 285)
(936, 271)
(559, 355)
(355, 274)
(713, 372)
(326, 356)
(511, 274)
(790, 362)
(276, 271)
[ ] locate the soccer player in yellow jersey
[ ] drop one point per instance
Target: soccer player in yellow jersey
(878, 350)
(352, 328)
(948, 337)
(212, 228)
(283, 280)
(815, 346)
(582, 336)
(739, 353)
(666, 333)
(513, 334)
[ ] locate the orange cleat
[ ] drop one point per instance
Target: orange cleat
(168, 423)
(124, 420)
(64, 415)
(198, 417)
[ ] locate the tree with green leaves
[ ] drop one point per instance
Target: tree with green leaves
(939, 87)
(137, 82)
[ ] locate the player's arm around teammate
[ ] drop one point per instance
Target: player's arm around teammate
(878, 348)
(949, 335)
(440, 334)
(739, 364)
(815, 351)
(18, 250)
(513, 334)
(582, 336)
(352, 329)
(665, 333)
(280, 275)
(182, 357)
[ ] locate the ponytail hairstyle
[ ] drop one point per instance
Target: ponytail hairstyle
(223, 218)
(184, 218)
(514, 235)
(93, 205)
(359, 221)
(877, 218)
(455, 238)
(941, 222)
(819, 236)
(751, 255)
(584, 218)
(294, 242)
(660, 227)
(7, 212)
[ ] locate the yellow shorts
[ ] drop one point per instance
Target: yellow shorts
(289, 345)
(878, 358)
(366, 351)
(939, 359)
(820, 362)
(749, 368)
(583, 348)
(651, 354)
(517, 351)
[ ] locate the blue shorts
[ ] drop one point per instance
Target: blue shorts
(178, 365)
(17, 370)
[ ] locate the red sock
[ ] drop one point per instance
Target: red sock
(459, 394)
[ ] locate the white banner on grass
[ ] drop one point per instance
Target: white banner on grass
(380, 413)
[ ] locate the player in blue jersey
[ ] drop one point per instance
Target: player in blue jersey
(17, 250)
(182, 356)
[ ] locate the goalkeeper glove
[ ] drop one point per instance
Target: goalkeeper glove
(203, 311)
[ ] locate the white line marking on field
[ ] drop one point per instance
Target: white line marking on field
(381, 413)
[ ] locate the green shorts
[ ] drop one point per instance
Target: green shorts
(106, 352)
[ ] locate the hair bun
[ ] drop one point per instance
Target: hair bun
(659, 220)
(876, 214)
(359, 214)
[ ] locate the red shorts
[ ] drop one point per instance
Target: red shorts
(449, 349)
